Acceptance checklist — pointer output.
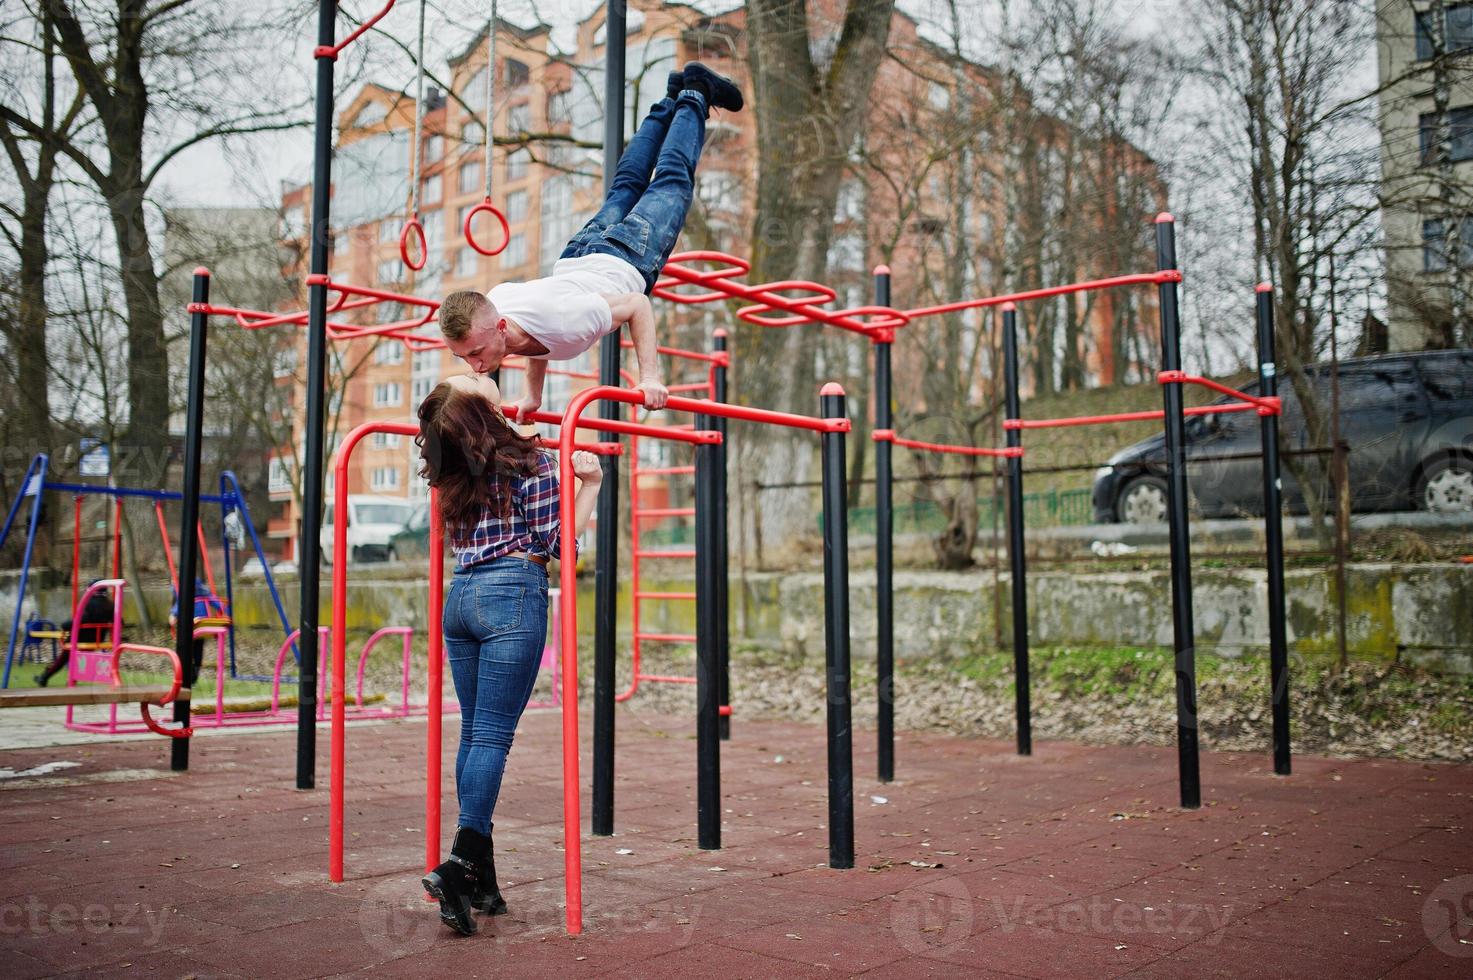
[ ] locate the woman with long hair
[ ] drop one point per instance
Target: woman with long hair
(498, 497)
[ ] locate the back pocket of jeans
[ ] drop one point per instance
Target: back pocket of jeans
(633, 233)
(499, 607)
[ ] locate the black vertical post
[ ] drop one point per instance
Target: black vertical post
(1273, 533)
(1017, 556)
(194, 416)
(1188, 764)
(606, 560)
(884, 547)
(311, 546)
(708, 665)
(723, 562)
(836, 634)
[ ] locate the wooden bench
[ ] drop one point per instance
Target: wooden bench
(96, 667)
(89, 694)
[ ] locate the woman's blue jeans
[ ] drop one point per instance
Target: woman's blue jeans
(643, 212)
(495, 628)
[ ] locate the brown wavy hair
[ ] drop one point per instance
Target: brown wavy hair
(471, 456)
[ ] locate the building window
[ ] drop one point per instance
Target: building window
(473, 93)
(390, 271)
(516, 164)
(340, 243)
(516, 206)
(519, 119)
(558, 109)
(388, 232)
(420, 390)
(465, 263)
(426, 362)
(470, 177)
(1458, 36)
(1459, 137)
(278, 476)
(386, 440)
(284, 361)
(386, 394)
(515, 252)
(1435, 246)
(517, 74)
(388, 352)
(434, 148)
(385, 478)
(432, 190)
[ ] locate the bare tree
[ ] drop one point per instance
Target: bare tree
(162, 76)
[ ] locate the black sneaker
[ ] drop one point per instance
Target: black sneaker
(674, 83)
(720, 91)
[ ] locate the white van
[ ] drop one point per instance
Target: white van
(372, 522)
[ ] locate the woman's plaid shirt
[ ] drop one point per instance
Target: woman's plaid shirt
(532, 526)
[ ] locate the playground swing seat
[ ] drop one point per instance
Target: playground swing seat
(94, 673)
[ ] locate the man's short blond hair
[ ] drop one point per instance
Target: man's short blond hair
(458, 310)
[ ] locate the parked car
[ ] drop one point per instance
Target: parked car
(412, 541)
(1407, 418)
(372, 523)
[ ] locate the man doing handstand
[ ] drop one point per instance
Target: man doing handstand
(608, 269)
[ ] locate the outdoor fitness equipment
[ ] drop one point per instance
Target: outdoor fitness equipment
(790, 303)
(232, 507)
(486, 206)
(412, 227)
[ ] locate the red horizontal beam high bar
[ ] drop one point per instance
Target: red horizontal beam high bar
(888, 435)
(571, 420)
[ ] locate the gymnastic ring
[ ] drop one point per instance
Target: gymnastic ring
(470, 238)
(424, 248)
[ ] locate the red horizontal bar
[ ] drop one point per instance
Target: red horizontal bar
(888, 435)
(1115, 282)
(665, 471)
(665, 554)
(671, 596)
(688, 355)
(692, 386)
(703, 437)
(718, 409)
(666, 679)
(667, 512)
(1265, 406)
(668, 637)
(1150, 416)
(597, 448)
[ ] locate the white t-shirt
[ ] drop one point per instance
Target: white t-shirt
(566, 311)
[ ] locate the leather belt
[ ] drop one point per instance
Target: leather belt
(537, 559)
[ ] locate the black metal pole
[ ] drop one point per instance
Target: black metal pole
(1184, 633)
(723, 559)
(836, 634)
(708, 662)
(606, 559)
(884, 548)
(1273, 533)
(311, 546)
(1017, 556)
(194, 416)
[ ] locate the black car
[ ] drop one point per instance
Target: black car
(1407, 418)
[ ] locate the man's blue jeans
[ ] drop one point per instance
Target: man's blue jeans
(642, 214)
(495, 627)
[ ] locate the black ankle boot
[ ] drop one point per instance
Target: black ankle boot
(486, 897)
(720, 91)
(453, 883)
(674, 82)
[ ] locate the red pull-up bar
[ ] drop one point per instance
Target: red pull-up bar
(888, 435)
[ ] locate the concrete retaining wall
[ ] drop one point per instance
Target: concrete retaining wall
(1418, 614)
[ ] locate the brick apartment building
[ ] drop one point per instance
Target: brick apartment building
(546, 179)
